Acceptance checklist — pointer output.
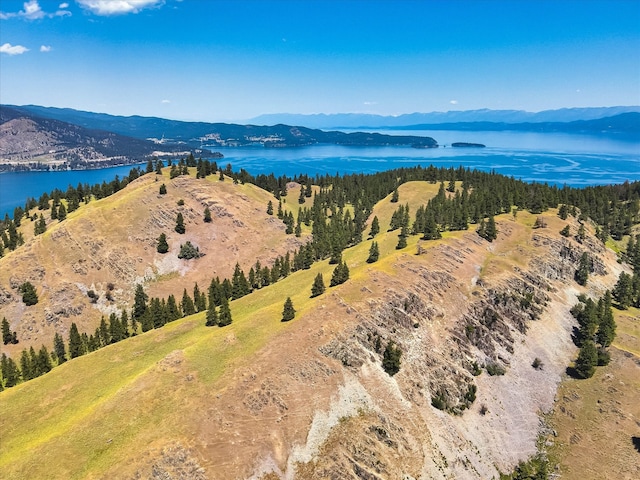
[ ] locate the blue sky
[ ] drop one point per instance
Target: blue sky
(217, 60)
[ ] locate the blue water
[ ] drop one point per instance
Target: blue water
(577, 160)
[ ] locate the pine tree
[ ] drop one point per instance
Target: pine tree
(26, 366)
(340, 274)
(149, 168)
(431, 230)
(224, 318)
(566, 231)
(59, 349)
(115, 328)
(391, 358)
(240, 285)
(374, 253)
(270, 208)
(163, 189)
(584, 268)
(62, 212)
(75, 342)
(29, 295)
(587, 359)
(563, 212)
(40, 226)
(188, 308)
(207, 215)
(139, 303)
(180, 228)
(607, 326)
(395, 196)
(318, 287)
(146, 321)
(375, 227)
(124, 323)
(44, 360)
(159, 166)
(189, 251)
(402, 238)
(199, 299)
(6, 332)
(163, 246)
(35, 365)
(212, 316)
(622, 292)
(10, 371)
(103, 333)
(288, 312)
(157, 313)
(582, 234)
(491, 232)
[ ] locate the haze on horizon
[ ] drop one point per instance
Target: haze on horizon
(231, 60)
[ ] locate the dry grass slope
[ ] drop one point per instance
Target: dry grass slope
(309, 398)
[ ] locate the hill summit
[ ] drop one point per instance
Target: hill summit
(415, 359)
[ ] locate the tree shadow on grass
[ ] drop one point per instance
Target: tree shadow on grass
(573, 373)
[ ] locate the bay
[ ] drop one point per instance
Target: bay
(575, 160)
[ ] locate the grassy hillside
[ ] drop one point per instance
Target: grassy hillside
(264, 399)
(99, 408)
(596, 419)
(113, 241)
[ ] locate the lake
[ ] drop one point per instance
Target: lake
(577, 160)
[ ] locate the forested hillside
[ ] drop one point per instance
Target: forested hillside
(413, 322)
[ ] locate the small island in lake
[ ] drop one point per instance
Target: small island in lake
(467, 145)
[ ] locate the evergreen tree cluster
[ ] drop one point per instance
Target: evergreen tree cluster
(189, 251)
(391, 358)
(596, 331)
(32, 364)
(340, 274)
(8, 336)
(627, 290)
(204, 168)
(29, 295)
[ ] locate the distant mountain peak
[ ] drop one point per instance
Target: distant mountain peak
(362, 120)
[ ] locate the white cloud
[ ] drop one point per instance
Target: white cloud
(45, 48)
(118, 7)
(13, 49)
(453, 102)
(370, 103)
(166, 101)
(32, 11)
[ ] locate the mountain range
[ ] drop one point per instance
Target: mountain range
(35, 137)
(362, 120)
(32, 136)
